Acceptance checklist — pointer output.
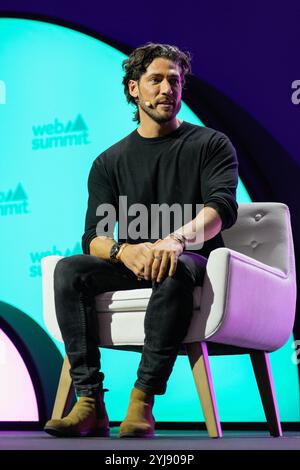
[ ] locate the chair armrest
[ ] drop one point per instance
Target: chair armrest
(245, 302)
(48, 264)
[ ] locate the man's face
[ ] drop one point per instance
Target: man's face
(161, 87)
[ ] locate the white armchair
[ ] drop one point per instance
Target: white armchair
(246, 305)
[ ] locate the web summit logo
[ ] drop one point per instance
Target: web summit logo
(36, 256)
(57, 134)
(14, 202)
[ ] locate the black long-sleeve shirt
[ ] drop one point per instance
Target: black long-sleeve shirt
(191, 165)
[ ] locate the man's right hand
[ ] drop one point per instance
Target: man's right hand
(135, 256)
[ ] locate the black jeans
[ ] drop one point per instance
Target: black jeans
(79, 278)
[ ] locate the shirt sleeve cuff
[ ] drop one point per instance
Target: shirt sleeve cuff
(220, 211)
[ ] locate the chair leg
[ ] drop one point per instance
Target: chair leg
(199, 361)
(65, 392)
(262, 369)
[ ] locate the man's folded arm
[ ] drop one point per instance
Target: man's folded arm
(100, 219)
(219, 179)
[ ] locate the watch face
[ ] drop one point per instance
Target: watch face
(113, 252)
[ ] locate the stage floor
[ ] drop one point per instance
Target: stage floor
(164, 440)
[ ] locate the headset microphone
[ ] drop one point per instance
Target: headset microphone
(147, 103)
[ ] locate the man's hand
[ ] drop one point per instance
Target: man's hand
(151, 260)
(135, 256)
(163, 254)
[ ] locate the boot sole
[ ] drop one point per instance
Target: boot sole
(58, 433)
(137, 434)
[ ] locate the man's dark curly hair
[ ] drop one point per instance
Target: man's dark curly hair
(136, 64)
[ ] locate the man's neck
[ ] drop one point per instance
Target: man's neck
(149, 128)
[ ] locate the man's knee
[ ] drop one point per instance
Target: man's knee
(65, 270)
(183, 275)
(190, 268)
(73, 270)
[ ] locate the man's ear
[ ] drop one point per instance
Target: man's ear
(133, 88)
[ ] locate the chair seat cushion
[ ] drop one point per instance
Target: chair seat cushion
(122, 314)
(131, 300)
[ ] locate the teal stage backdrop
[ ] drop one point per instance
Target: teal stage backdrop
(65, 105)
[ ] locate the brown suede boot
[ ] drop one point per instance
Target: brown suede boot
(87, 418)
(139, 421)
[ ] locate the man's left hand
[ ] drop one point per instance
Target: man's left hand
(163, 254)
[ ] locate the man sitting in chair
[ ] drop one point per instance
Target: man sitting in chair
(165, 162)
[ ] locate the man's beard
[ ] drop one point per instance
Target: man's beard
(156, 116)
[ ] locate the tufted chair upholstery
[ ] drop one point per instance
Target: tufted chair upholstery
(246, 305)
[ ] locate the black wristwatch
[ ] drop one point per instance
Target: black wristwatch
(114, 251)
